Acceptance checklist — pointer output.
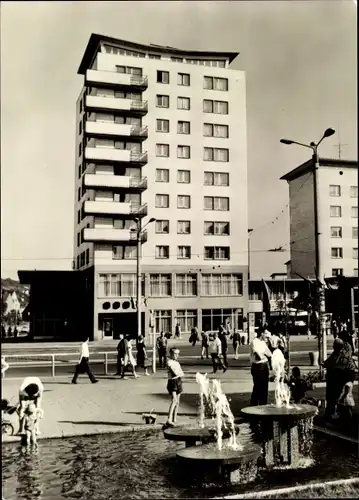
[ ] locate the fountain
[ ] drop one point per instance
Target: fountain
(224, 460)
(284, 430)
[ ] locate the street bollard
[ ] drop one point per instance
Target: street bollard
(52, 365)
(106, 371)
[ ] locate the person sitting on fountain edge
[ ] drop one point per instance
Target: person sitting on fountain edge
(174, 386)
(298, 386)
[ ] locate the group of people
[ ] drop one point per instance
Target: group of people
(10, 332)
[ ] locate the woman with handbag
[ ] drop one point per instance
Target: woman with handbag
(142, 359)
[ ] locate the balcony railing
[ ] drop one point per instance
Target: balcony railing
(138, 157)
(139, 131)
(137, 209)
(138, 182)
(143, 236)
(141, 81)
(138, 105)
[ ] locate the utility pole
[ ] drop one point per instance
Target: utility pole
(249, 253)
(138, 276)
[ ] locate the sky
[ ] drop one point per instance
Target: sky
(300, 60)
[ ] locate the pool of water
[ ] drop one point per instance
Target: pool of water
(140, 465)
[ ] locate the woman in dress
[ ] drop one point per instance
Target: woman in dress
(236, 340)
(142, 354)
(129, 358)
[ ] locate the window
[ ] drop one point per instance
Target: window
(183, 152)
(162, 150)
(212, 130)
(355, 253)
(184, 176)
(186, 285)
(217, 107)
(337, 272)
(162, 175)
(122, 252)
(213, 83)
(78, 194)
(80, 149)
(87, 256)
(162, 125)
(335, 211)
(183, 79)
(217, 228)
(354, 191)
(78, 239)
(337, 253)
(183, 252)
(154, 56)
(129, 70)
(222, 284)
(160, 285)
(183, 103)
(79, 171)
(216, 253)
(216, 203)
(336, 232)
(216, 154)
(162, 226)
(183, 127)
(354, 212)
(162, 252)
(163, 321)
(183, 227)
(80, 128)
(334, 190)
(163, 77)
(80, 106)
(187, 319)
(78, 216)
(177, 59)
(216, 179)
(183, 201)
(162, 201)
(354, 232)
(162, 101)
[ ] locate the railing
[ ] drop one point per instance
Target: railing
(141, 81)
(138, 105)
(138, 157)
(138, 182)
(143, 237)
(138, 209)
(138, 131)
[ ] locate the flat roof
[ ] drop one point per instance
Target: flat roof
(27, 277)
(95, 40)
(323, 162)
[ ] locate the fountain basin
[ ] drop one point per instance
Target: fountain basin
(285, 433)
(226, 465)
(189, 435)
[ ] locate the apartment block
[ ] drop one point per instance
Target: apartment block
(337, 218)
(161, 133)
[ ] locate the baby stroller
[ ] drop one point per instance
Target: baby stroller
(6, 409)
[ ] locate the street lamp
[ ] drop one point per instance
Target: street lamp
(322, 341)
(139, 231)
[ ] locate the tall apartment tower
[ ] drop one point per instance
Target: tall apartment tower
(337, 218)
(161, 133)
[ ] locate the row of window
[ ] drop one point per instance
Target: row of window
(336, 211)
(340, 272)
(184, 227)
(123, 252)
(162, 285)
(184, 103)
(337, 253)
(209, 154)
(336, 190)
(184, 127)
(184, 177)
(83, 259)
(184, 201)
(337, 232)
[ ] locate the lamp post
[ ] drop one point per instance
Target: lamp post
(249, 253)
(322, 341)
(139, 231)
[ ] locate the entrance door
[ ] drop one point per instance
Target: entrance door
(108, 328)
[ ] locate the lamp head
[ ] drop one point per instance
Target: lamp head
(152, 219)
(286, 141)
(329, 132)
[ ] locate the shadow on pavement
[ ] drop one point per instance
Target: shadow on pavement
(94, 422)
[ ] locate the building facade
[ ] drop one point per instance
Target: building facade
(337, 218)
(161, 133)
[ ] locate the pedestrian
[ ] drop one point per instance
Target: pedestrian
(236, 340)
(9, 332)
(223, 338)
(298, 386)
(142, 359)
(83, 365)
(121, 351)
(205, 344)
(216, 353)
(4, 366)
(161, 345)
(194, 337)
(260, 355)
(174, 386)
(178, 331)
(15, 334)
(129, 358)
(266, 333)
(3, 332)
(31, 391)
(31, 422)
(335, 329)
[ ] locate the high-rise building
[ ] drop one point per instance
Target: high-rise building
(161, 133)
(337, 182)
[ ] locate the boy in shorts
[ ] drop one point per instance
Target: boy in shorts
(32, 415)
(174, 386)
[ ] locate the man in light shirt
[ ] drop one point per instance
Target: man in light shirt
(83, 365)
(216, 353)
(31, 391)
(260, 356)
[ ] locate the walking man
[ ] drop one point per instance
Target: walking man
(223, 338)
(260, 355)
(205, 345)
(216, 353)
(121, 351)
(83, 365)
(161, 345)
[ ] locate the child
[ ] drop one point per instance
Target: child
(298, 386)
(174, 386)
(32, 416)
(346, 402)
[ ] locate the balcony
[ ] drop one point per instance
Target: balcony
(110, 129)
(103, 235)
(112, 79)
(99, 103)
(110, 181)
(115, 208)
(115, 155)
